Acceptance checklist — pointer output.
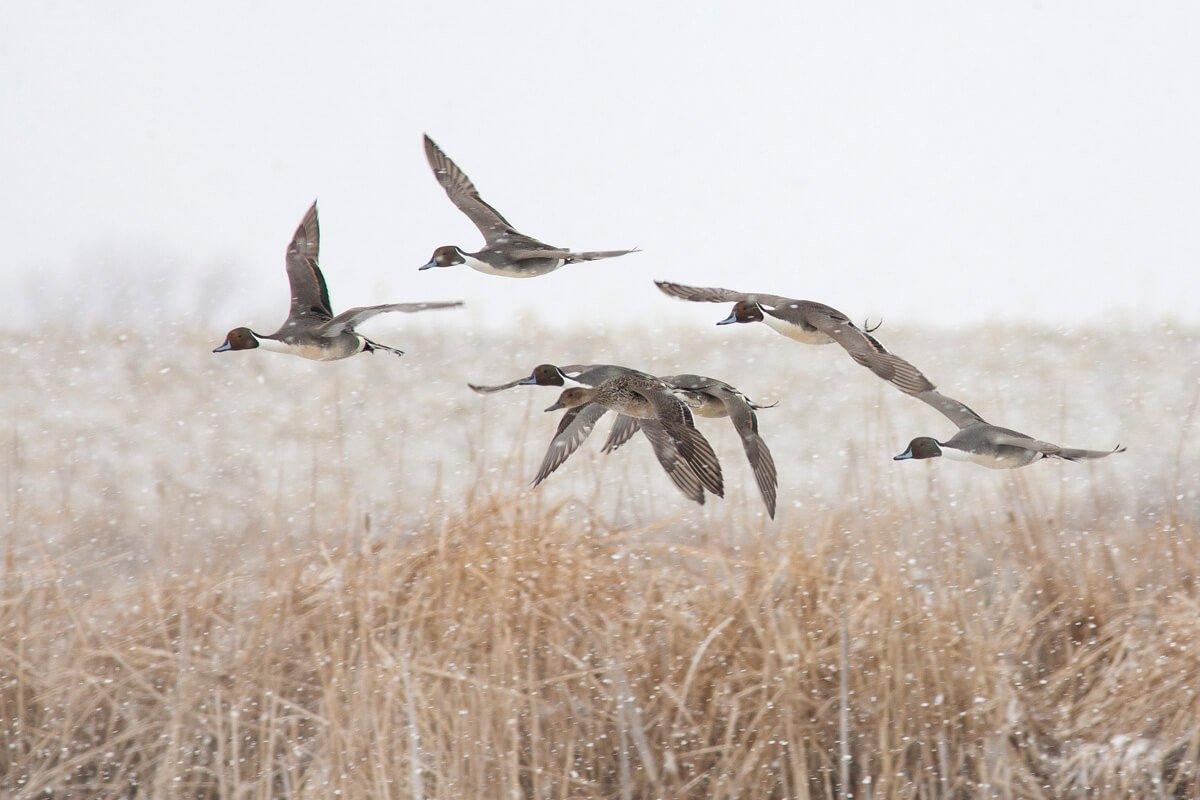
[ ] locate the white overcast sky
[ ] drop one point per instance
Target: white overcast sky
(951, 161)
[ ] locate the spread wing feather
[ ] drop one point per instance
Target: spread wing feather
(310, 295)
(867, 351)
(745, 422)
(622, 431)
(573, 429)
(675, 417)
(463, 194)
(708, 294)
(677, 469)
(955, 411)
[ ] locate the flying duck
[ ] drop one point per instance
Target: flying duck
(810, 323)
(714, 399)
(705, 396)
(665, 420)
(988, 445)
(311, 330)
(507, 252)
(677, 469)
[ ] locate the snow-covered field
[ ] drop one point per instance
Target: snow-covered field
(250, 575)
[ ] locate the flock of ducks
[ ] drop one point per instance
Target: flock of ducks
(662, 408)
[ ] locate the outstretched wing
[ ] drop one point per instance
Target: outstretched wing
(745, 422)
(346, 320)
(523, 247)
(1051, 450)
(675, 417)
(310, 296)
(707, 294)
(865, 349)
(573, 429)
(676, 467)
(1074, 454)
(463, 194)
(594, 374)
(622, 431)
(587, 374)
(957, 412)
(499, 387)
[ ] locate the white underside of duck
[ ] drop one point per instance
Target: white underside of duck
(312, 352)
(793, 331)
(489, 269)
(991, 462)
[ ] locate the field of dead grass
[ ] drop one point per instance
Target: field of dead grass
(231, 579)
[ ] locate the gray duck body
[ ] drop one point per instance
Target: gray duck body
(311, 329)
(507, 252)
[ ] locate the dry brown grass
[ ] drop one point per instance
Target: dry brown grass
(519, 652)
(230, 579)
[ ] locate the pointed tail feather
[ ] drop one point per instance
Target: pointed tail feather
(1075, 454)
(596, 255)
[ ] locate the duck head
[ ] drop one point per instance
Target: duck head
(744, 311)
(445, 256)
(238, 339)
(573, 398)
(921, 447)
(545, 375)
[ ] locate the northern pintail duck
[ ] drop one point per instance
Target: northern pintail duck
(507, 252)
(677, 469)
(811, 323)
(707, 397)
(665, 420)
(714, 399)
(311, 330)
(988, 445)
(551, 375)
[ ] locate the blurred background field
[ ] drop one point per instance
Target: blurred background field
(254, 576)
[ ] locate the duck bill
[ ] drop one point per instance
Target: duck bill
(556, 406)
(224, 348)
(905, 456)
(732, 318)
(530, 381)
(430, 265)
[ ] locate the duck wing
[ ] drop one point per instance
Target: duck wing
(675, 417)
(958, 413)
(573, 429)
(864, 348)
(347, 320)
(1002, 437)
(310, 296)
(622, 431)
(672, 462)
(708, 294)
(458, 187)
(499, 387)
(587, 374)
(595, 374)
(745, 422)
(523, 250)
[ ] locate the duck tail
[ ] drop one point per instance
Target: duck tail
(596, 255)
